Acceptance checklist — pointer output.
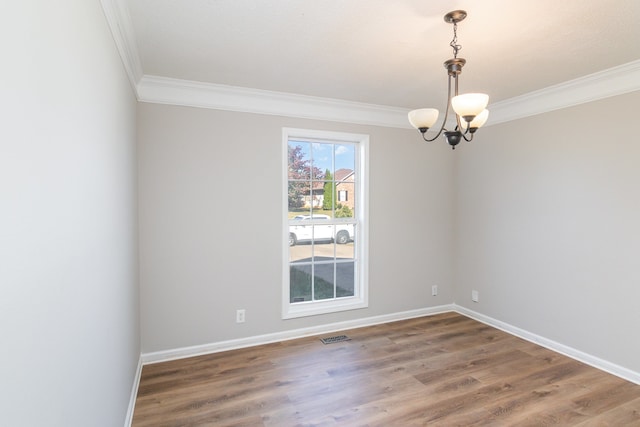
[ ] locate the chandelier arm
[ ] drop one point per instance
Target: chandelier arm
(458, 122)
(432, 139)
(463, 127)
(446, 113)
(464, 135)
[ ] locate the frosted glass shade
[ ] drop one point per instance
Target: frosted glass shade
(423, 118)
(480, 119)
(469, 104)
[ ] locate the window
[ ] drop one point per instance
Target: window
(324, 230)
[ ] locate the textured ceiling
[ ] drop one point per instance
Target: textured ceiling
(380, 51)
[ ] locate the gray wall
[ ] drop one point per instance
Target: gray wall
(545, 225)
(68, 270)
(548, 226)
(210, 224)
(539, 215)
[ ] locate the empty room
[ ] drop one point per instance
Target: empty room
(336, 213)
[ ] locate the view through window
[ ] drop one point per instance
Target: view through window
(324, 222)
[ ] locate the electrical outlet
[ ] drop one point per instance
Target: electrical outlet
(475, 296)
(240, 316)
(434, 290)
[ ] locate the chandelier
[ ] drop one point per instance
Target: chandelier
(470, 108)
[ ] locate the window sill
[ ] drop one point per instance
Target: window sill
(313, 308)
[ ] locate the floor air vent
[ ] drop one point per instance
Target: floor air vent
(337, 338)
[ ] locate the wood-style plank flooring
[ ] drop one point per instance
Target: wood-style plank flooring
(442, 370)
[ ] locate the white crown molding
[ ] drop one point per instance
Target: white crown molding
(611, 82)
(603, 84)
(119, 22)
(163, 90)
(198, 350)
(578, 355)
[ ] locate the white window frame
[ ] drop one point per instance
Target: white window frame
(361, 213)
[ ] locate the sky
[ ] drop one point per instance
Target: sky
(323, 153)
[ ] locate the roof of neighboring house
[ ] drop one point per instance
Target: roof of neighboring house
(343, 174)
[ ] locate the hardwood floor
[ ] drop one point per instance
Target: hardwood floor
(442, 370)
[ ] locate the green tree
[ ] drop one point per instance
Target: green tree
(329, 187)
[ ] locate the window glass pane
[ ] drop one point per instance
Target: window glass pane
(345, 157)
(344, 233)
(322, 233)
(299, 251)
(300, 282)
(346, 251)
(324, 250)
(300, 229)
(323, 158)
(299, 162)
(323, 281)
(346, 201)
(345, 274)
(328, 195)
(298, 196)
(318, 211)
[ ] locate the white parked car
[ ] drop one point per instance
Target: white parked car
(306, 232)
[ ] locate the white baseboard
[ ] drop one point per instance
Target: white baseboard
(134, 393)
(180, 353)
(578, 355)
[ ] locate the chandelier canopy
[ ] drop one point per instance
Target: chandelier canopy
(470, 108)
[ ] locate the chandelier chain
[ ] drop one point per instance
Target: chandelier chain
(454, 43)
